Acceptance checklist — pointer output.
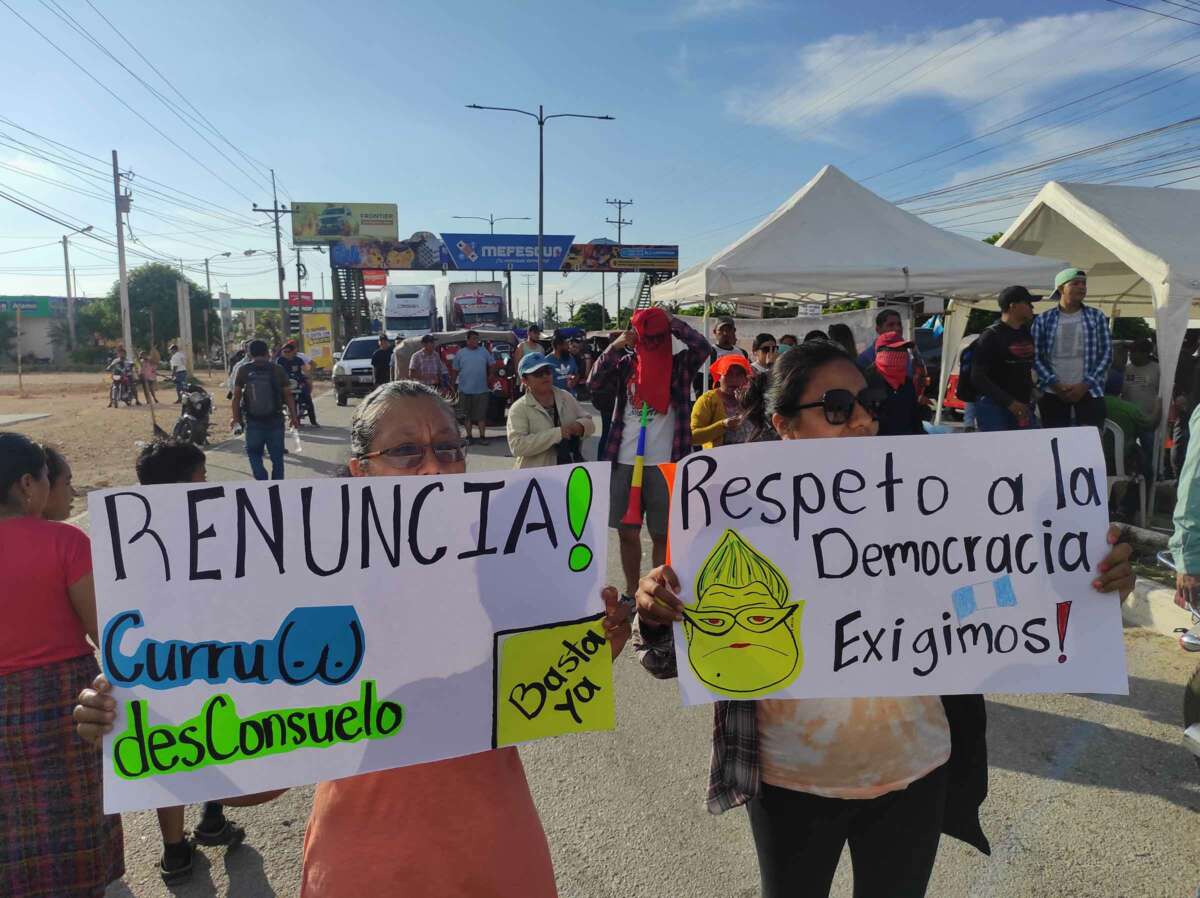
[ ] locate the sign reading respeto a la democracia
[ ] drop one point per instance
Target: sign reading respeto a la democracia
(899, 566)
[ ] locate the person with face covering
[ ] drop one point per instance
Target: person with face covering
(717, 416)
(462, 826)
(886, 776)
(55, 839)
(889, 376)
(660, 381)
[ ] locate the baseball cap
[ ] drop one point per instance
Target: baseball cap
(534, 361)
(1016, 293)
(892, 340)
(725, 321)
(1068, 274)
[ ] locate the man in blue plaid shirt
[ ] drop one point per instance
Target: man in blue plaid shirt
(1073, 351)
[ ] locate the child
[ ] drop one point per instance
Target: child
(168, 461)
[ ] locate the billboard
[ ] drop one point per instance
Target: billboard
(318, 338)
(621, 257)
(303, 299)
(327, 222)
(504, 252)
(374, 277)
(423, 251)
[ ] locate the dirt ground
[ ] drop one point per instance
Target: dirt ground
(99, 442)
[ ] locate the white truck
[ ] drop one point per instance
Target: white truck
(409, 310)
(476, 304)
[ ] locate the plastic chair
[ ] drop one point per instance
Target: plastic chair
(1119, 475)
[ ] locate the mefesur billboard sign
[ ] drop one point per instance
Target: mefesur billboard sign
(504, 252)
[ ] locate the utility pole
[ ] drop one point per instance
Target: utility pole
(528, 304)
(620, 204)
(71, 292)
(208, 311)
(557, 320)
(276, 212)
(123, 202)
(322, 286)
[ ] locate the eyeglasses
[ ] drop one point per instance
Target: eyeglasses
(408, 456)
(839, 404)
(756, 619)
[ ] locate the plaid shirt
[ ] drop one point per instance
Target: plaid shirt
(428, 368)
(734, 774)
(612, 371)
(1097, 348)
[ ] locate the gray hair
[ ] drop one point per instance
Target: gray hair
(369, 412)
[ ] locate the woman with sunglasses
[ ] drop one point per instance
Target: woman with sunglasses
(463, 826)
(816, 774)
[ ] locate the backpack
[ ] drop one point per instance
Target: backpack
(262, 397)
(965, 388)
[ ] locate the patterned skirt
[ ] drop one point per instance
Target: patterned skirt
(55, 840)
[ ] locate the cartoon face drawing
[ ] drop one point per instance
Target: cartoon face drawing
(743, 634)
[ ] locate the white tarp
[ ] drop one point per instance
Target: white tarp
(835, 236)
(1137, 244)
(860, 321)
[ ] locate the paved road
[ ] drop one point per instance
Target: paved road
(1090, 795)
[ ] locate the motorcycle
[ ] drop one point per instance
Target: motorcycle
(120, 390)
(194, 413)
(1189, 641)
(302, 391)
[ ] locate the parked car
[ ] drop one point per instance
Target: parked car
(352, 372)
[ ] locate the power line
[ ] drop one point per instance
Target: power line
(262, 166)
(120, 100)
(1152, 12)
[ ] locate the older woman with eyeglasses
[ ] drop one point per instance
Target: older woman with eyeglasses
(463, 826)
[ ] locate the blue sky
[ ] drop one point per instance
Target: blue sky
(723, 109)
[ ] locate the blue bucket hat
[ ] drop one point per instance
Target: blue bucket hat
(534, 361)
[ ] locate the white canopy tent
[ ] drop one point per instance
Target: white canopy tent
(1139, 245)
(833, 236)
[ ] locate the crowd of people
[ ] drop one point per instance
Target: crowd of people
(814, 775)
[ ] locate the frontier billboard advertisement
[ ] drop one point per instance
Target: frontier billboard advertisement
(327, 222)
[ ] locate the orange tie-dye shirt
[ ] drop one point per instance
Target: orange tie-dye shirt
(851, 748)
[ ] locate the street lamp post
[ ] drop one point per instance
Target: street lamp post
(541, 118)
(70, 292)
(491, 220)
(208, 311)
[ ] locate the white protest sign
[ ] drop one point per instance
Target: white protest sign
(916, 565)
(261, 635)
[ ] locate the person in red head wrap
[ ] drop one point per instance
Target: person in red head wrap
(643, 370)
(652, 359)
(901, 411)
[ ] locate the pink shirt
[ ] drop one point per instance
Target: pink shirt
(461, 827)
(38, 561)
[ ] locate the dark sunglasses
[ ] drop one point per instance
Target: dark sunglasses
(839, 404)
(408, 456)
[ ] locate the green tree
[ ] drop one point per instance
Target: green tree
(591, 316)
(266, 327)
(8, 334)
(992, 240)
(153, 306)
(1132, 329)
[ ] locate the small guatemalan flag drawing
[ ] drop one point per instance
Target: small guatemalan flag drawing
(986, 594)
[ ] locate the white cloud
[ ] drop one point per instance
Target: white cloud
(695, 10)
(989, 70)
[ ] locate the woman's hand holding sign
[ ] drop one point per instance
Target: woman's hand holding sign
(1116, 574)
(657, 597)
